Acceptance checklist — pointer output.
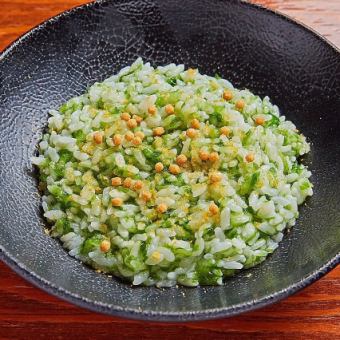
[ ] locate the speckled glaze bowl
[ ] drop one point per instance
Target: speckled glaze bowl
(251, 46)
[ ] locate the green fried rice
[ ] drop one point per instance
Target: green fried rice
(166, 176)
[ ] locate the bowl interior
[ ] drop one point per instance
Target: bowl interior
(251, 47)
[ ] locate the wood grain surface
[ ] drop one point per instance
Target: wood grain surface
(27, 312)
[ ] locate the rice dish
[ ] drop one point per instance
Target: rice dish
(166, 176)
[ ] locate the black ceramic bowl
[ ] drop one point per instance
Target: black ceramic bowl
(251, 46)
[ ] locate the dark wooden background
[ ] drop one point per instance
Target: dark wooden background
(28, 312)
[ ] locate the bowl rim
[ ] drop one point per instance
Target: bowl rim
(137, 314)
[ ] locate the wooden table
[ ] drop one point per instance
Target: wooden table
(27, 312)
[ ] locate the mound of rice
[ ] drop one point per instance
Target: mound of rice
(164, 176)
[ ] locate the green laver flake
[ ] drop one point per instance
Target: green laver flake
(165, 176)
